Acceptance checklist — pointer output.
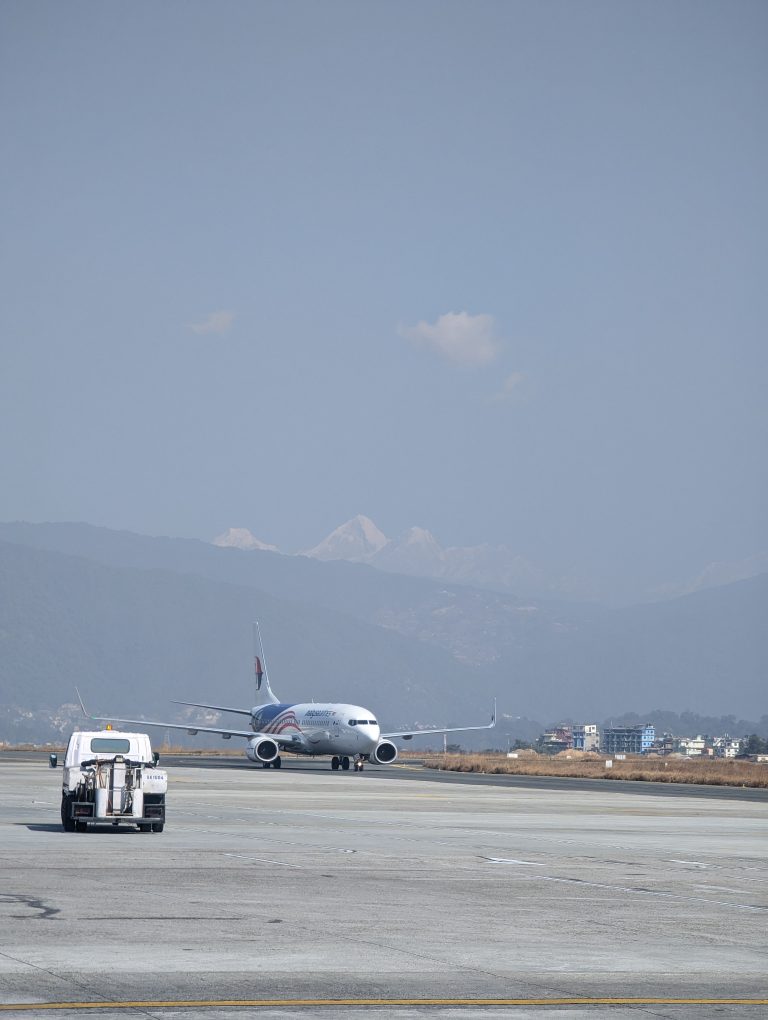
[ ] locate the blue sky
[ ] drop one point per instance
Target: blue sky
(495, 269)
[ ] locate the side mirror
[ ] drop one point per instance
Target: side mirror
(53, 761)
(155, 757)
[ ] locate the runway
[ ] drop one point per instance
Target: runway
(409, 768)
(313, 893)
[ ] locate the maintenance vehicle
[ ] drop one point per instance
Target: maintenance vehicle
(112, 778)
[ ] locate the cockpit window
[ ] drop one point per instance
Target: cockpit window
(372, 722)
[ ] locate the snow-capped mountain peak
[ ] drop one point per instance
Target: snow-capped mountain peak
(418, 553)
(420, 537)
(415, 552)
(241, 538)
(357, 539)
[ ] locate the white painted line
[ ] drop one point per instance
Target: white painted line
(650, 892)
(720, 867)
(263, 860)
(720, 888)
(511, 860)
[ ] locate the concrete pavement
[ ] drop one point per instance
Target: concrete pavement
(305, 884)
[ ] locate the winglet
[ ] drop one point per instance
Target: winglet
(493, 715)
(81, 704)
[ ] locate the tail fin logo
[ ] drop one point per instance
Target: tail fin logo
(259, 672)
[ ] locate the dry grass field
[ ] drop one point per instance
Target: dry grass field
(719, 772)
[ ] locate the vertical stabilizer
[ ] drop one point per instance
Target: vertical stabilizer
(264, 695)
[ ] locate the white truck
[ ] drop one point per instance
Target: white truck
(111, 777)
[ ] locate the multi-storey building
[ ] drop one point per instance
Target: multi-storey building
(560, 738)
(726, 747)
(627, 739)
(665, 744)
(694, 747)
(585, 737)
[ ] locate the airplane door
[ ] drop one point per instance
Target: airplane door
(335, 733)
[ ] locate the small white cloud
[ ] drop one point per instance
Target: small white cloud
(217, 322)
(510, 387)
(512, 382)
(458, 336)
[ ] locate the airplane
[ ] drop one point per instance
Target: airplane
(348, 733)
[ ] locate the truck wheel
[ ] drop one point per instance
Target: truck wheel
(67, 823)
(158, 826)
(145, 827)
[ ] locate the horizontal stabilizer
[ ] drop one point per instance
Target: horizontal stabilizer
(191, 728)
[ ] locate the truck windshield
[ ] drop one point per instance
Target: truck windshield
(110, 745)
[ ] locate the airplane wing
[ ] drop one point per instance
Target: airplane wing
(192, 728)
(216, 708)
(410, 734)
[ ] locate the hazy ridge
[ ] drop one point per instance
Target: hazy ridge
(137, 621)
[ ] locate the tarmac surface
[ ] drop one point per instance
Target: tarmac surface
(311, 893)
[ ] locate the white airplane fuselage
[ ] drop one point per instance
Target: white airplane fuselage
(319, 728)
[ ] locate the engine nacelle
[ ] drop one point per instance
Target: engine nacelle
(262, 749)
(385, 753)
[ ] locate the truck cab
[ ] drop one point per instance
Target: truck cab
(111, 777)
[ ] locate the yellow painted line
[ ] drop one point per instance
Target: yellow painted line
(272, 1003)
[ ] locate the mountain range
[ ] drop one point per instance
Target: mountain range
(137, 622)
(417, 553)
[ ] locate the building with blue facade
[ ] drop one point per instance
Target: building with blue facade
(628, 739)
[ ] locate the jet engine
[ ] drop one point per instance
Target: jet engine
(385, 753)
(262, 749)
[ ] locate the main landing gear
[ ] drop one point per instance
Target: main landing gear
(342, 762)
(275, 764)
